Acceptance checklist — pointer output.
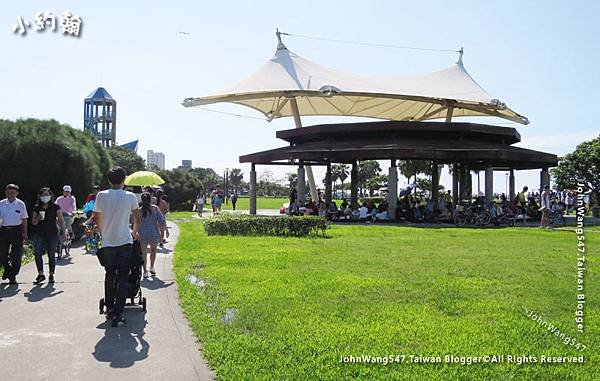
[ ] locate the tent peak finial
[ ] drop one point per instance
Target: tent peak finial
(460, 54)
(280, 45)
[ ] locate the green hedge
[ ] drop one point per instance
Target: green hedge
(266, 226)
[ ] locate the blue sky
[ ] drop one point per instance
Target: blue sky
(541, 58)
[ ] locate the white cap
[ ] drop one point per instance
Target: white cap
(67, 188)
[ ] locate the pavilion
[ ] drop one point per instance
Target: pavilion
(465, 146)
(290, 85)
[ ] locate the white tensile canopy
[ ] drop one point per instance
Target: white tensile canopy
(318, 90)
(289, 85)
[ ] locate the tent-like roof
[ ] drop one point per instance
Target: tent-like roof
(100, 93)
(323, 91)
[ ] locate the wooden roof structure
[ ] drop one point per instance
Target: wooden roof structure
(471, 144)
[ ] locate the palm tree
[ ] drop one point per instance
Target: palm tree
(235, 179)
(339, 172)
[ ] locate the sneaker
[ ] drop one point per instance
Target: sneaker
(118, 321)
(152, 271)
(40, 278)
(51, 278)
(145, 274)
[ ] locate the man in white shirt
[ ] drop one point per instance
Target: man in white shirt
(363, 212)
(13, 233)
(112, 211)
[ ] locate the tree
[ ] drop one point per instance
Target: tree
(235, 179)
(181, 188)
(410, 168)
(37, 153)
(292, 179)
(582, 166)
(128, 160)
(425, 184)
(367, 170)
(376, 182)
(339, 172)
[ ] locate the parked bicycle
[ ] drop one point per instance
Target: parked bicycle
(469, 214)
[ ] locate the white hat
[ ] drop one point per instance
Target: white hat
(67, 188)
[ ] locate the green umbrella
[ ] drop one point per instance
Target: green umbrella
(143, 178)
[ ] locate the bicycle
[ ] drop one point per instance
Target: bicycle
(65, 244)
(469, 214)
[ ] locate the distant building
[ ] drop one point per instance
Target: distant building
(156, 158)
(132, 146)
(185, 164)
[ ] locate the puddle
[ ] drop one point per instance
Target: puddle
(196, 281)
(229, 315)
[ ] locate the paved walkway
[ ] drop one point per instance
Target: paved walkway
(54, 332)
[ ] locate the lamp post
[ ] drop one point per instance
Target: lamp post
(506, 177)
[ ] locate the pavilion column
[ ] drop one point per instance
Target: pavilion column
(544, 178)
(328, 195)
(489, 185)
(253, 189)
(301, 186)
(435, 184)
(354, 185)
(511, 185)
(455, 174)
(468, 188)
(462, 182)
(392, 196)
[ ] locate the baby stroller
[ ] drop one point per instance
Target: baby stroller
(134, 289)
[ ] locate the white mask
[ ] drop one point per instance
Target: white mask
(45, 199)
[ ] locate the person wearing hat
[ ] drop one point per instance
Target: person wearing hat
(68, 207)
(13, 233)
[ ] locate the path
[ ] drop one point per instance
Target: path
(54, 332)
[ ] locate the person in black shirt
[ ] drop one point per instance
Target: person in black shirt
(45, 237)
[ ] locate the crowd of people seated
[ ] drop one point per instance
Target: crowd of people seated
(420, 208)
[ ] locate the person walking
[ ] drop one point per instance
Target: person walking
(153, 222)
(13, 233)
(46, 217)
(200, 200)
(217, 201)
(112, 211)
(164, 207)
(233, 200)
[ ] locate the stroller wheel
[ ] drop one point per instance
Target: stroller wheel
(144, 304)
(101, 306)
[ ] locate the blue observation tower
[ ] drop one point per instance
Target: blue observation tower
(100, 116)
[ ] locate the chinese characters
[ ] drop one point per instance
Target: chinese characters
(69, 25)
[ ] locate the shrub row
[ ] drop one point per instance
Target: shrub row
(266, 226)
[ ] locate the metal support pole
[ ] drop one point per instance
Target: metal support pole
(392, 196)
(354, 185)
(449, 114)
(253, 189)
(309, 174)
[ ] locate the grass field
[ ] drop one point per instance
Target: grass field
(243, 203)
(290, 308)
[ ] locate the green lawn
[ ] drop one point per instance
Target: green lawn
(302, 303)
(243, 203)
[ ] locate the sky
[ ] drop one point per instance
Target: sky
(539, 57)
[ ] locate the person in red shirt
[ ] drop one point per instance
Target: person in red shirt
(92, 196)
